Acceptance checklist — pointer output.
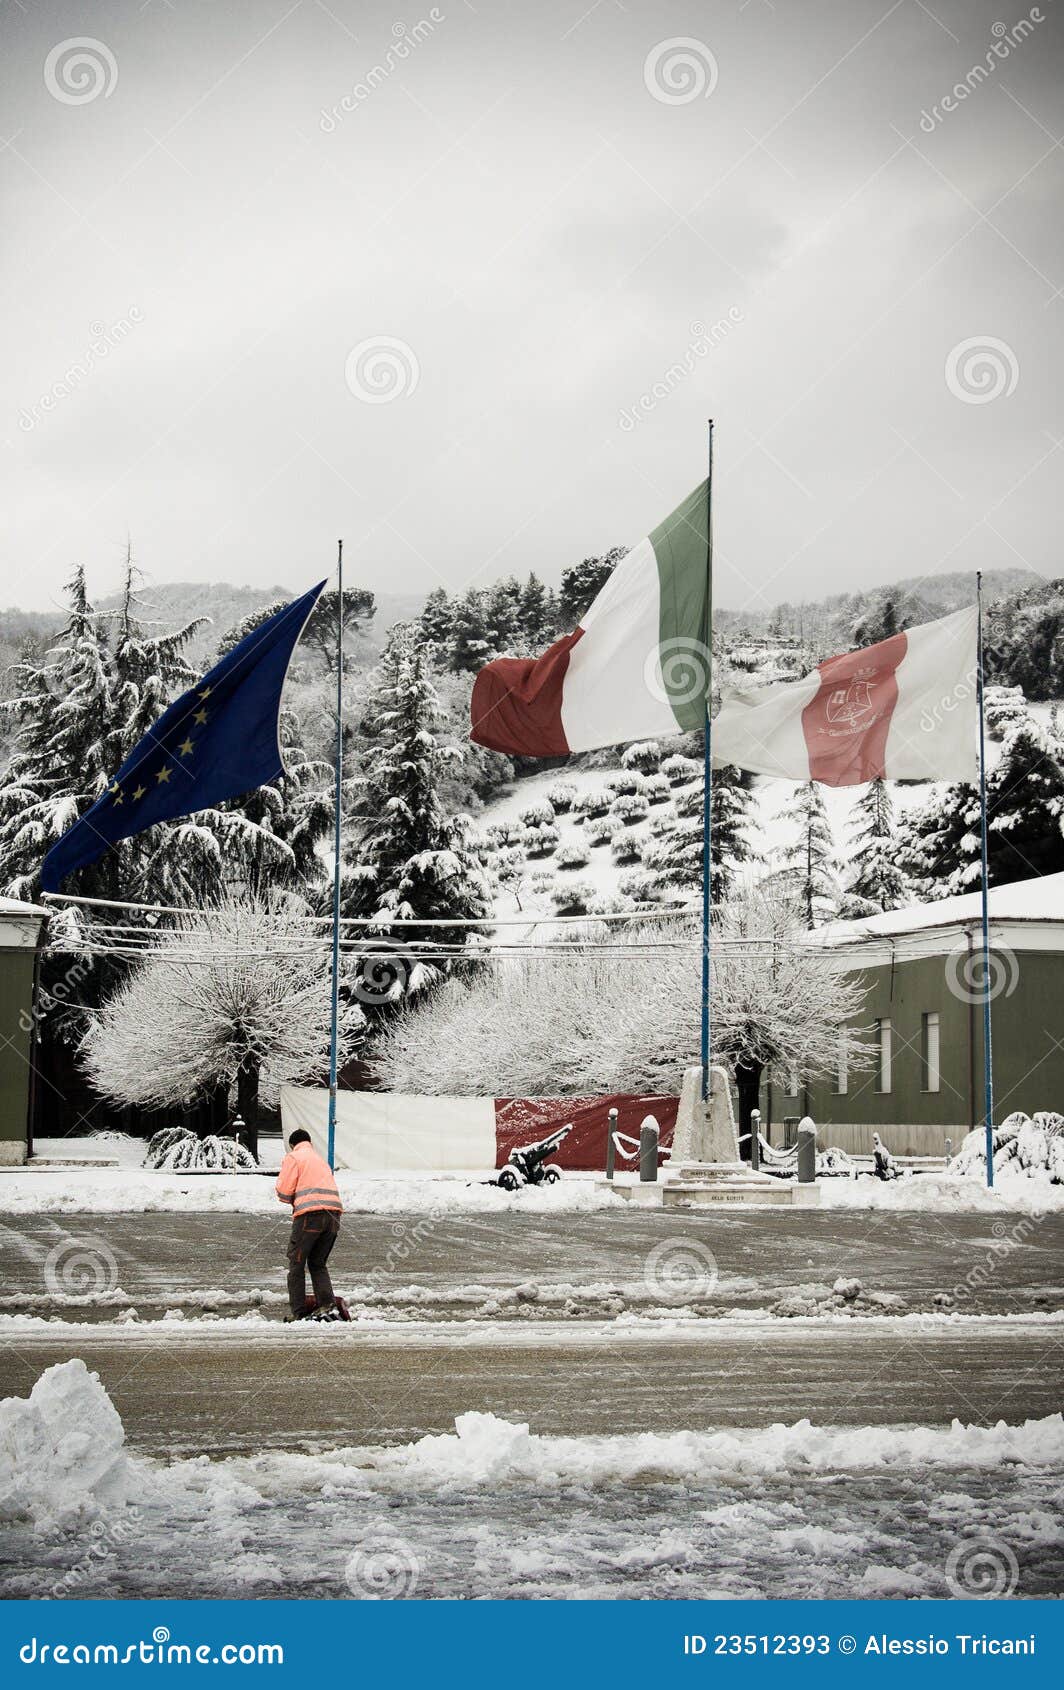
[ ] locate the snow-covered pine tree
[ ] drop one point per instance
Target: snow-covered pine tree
(64, 716)
(1025, 805)
(674, 857)
(470, 646)
(939, 843)
(808, 868)
(410, 859)
(876, 882)
(536, 616)
(436, 618)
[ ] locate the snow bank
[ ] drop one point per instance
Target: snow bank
(106, 1191)
(945, 1193)
(484, 1450)
(61, 1448)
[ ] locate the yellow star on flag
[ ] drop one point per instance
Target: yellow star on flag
(163, 774)
(139, 793)
(185, 748)
(199, 716)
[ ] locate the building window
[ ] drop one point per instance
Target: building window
(842, 1067)
(929, 1051)
(884, 1053)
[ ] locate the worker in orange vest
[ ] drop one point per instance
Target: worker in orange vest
(306, 1182)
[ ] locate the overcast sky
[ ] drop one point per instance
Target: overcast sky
(541, 209)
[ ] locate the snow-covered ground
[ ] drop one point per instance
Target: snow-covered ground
(129, 1187)
(492, 1510)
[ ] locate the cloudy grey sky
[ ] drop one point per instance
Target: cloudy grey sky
(542, 209)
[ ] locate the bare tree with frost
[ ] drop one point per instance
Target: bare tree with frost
(234, 994)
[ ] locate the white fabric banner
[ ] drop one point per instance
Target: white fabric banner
(380, 1132)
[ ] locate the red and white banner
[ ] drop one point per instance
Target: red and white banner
(379, 1132)
(905, 709)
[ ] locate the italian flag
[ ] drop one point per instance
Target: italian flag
(637, 665)
(905, 709)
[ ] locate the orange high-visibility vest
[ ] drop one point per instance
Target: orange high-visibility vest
(306, 1181)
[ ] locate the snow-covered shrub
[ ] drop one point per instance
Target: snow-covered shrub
(1022, 1148)
(630, 808)
(601, 829)
(657, 790)
(626, 846)
(625, 785)
(679, 770)
(609, 904)
(638, 885)
(572, 897)
(593, 803)
(508, 865)
(662, 821)
(643, 758)
(562, 796)
(499, 834)
(540, 814)
(1005, 708)
(179, 1150)
(572, 856)
(542, 879)
(539, 841)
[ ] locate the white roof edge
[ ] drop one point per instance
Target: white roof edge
(1038, 900)
(16, 907)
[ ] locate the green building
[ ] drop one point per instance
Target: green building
(918, 1009)
(20, 925)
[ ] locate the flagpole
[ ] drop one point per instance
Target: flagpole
(707, 780)
(336, 847)
(988, 1063)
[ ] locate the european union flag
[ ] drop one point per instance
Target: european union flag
(219, 740)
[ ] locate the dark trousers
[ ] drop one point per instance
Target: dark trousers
(313, 1236)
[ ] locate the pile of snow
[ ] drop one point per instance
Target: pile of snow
(62, 1448)
(485, 1450)
(945, 1194)
(108, 1191)
(1023, 1149)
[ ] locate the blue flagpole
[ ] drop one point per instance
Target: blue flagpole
(707, 783)
(988, 1060)
(336, 847)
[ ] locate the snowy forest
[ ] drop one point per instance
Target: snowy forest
(435, 829)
